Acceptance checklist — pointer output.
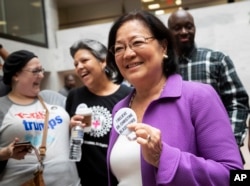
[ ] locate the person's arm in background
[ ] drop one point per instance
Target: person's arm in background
(234, 97)
(3, 52)
(4, 89)
(249, 134)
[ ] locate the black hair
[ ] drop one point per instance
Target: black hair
(159, 31)
(14, 63)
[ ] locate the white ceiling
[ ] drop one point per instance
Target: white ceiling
(67, 3)
(70, 3)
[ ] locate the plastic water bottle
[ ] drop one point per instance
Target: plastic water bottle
(76, 139)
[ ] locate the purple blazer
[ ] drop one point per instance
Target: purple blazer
(199, 147)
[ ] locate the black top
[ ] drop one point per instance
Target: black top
(4, 89)
(94, 149)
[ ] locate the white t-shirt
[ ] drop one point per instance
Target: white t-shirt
(26, 123)
(125, 162)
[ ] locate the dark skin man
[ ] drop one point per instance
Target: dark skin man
(210, 67)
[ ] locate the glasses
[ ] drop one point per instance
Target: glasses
(35, 72)
(135, 44)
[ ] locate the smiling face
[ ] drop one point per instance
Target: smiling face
(88, 68)
(181, 24)
(27, 81)
(139, 63)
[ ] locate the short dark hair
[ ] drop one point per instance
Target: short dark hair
(97, 49)
(14, 63)
(159, 31)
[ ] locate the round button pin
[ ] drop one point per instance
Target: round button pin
(122, 118)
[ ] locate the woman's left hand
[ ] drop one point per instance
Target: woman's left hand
(150, 140)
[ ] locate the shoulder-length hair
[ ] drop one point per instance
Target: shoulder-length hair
(97, 49)
(159, 31)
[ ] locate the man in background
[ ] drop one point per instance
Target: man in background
(211, 67)
(69, 83)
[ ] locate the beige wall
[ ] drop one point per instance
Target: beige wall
(224, 27)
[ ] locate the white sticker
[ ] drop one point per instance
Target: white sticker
(122, 118)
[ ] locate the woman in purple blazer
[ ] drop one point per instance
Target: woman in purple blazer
(183, 133)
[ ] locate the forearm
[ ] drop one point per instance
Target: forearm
(3, 52)
(239, 120)
(234, 97)
(249, 134)
(236, 102)
(5, 153)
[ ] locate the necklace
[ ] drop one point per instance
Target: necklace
(131, 100)
(134, 94)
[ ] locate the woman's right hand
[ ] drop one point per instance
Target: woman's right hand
(77, 120)
(11, 151)
(7, 152)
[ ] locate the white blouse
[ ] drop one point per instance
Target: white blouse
(125, 162)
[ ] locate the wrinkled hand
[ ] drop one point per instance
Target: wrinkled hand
(150, 140)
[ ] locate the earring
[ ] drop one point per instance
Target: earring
(106, 70)
(165, 56)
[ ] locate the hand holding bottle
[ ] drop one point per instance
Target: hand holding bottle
(80, 123)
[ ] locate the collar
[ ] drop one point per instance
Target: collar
(172, 89)
(185, 58)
